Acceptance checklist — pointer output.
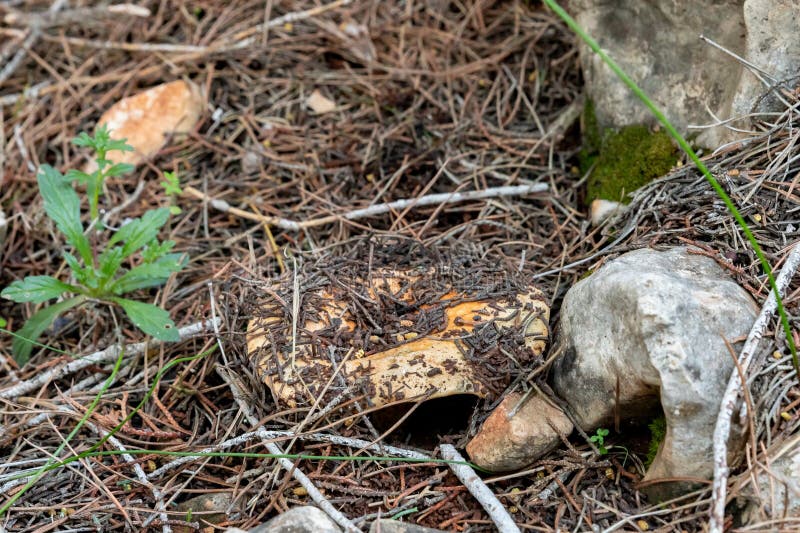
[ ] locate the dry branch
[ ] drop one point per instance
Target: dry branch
(374, 210)
(103, 356)
(734, 388)
(482, 493)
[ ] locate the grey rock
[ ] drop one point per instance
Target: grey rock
(769, 45)
(504, 444)
(776, 494)
(206, 509)
(306, 519)
(386, 525)
(657, 43)
(651, 326)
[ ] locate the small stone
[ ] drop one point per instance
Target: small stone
(504, 444)
(652, 326)
(147, 118)
(778, 486)
(305, 519)
(386, 525)
(600, 210)
(320, 104)
(251, 162)
(205, 509)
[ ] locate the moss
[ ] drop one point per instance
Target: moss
(628, 160)
(658, 430)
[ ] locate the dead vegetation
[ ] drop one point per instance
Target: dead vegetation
(430, 97)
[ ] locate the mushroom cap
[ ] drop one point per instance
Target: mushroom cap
(396, 334)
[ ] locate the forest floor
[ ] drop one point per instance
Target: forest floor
(431, 97)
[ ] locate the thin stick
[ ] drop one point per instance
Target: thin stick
(103, 356)
(722, 429)
(272, 435)
(373, 210)
(482, 493)
(297, 474)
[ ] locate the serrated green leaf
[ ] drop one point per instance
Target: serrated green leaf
(119, 169)
(140, 231)
(149, 318)
(36, 289)
(155, 250)
(119, 145)
(78, 175)
(35, 326)
(83, 139)
(110, 261)
(171, 184)
(81, 274)
(149, 274)
(63, 206)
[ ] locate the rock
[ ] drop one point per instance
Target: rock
(320, 104)
(305, 519)
(777, 492)
(768, 24)
(146, 120)
(504, 444)
(601, 210)
(683, 75)
(650, 326)
(386, 525)
(400, 332)
(205, 509)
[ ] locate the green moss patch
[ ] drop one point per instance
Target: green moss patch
(623, 160)
(658, 430)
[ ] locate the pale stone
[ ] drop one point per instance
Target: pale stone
(776, 494)
(148, 118)
(504, 444)
(306, 519)
(651, 326)
(386, 525)
(320, 104)
(601, 210)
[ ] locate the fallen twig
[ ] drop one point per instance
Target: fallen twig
(373, 210)
(297, 474)
(137, 468)
(103, 356)
(729, 399)
(285, 435)
(482, 493)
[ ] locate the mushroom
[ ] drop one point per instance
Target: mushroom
(397, 334)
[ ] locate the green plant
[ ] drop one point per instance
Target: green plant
(658, 430)
(599, 439)
(98, 265)
(684, 144)
(172, 188)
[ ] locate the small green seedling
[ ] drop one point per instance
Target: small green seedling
(172, 188)
(105, 265)
(599, 439)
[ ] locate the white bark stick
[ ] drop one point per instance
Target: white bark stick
(104, 356)
(722, 429)
(482, 493)
(373, 210)
(297, 474)
(286, 435)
